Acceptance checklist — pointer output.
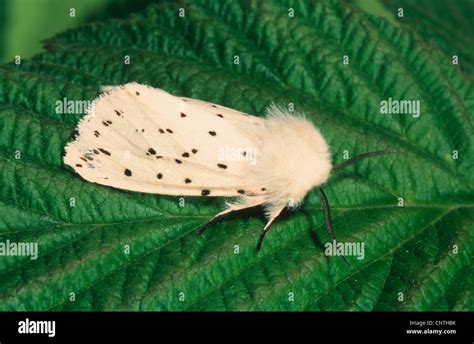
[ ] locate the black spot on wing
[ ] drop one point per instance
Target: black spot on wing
(159, 175)
(187, 180)
(169, 131)
(106, 152)
(194, 151)
(183, 114)
(151, 151)
(222, 166)
(205, 192)
(220, 115)
(212, 133)
(241, 191)
(127, 172)
(178, 161)
(185, 155)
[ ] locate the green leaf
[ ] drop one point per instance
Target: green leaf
(451, 33)
(417, 257)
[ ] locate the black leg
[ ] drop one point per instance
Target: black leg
(213, 219)
(260, 240)
(275, 213)
(230, 210)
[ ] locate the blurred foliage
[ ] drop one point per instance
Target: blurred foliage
(24, 24)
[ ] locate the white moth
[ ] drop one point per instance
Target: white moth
(144, 139)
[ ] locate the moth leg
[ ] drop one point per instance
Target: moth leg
(230, 208)
(272, 216)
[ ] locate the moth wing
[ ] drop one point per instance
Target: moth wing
(143, 139)
(237, 118)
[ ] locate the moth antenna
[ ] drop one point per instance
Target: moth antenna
(328, 218)
(362, 156)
